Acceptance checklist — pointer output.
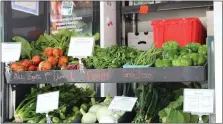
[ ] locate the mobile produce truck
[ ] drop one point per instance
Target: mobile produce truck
(111, 62)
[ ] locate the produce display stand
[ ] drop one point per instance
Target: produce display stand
(201, 74)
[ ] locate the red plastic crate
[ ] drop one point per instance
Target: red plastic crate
(182, 30)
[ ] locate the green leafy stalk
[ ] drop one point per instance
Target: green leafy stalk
(26, 47)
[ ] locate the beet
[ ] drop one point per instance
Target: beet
(26, 63)
(48, 51)
(32, 68)
(63, 60)
(36, 60)
(53, 60)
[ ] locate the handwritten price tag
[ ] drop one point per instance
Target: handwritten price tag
(47, 102)
(81, 47)
(11, 51)
(199, 101)
(121, 103)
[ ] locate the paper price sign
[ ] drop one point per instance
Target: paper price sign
(121, 103)
(81, 47)
(47, 102)
(11, 51)
(199, 101)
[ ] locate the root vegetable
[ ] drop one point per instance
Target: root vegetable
(107, 119)
(53, 60)
(20, 68)
(61, 52)
(13, 66)
(64, 67)
(88, 117)
(57, 52)
(26, 63)
(32, 68)
(73, 67)
(63, 60)
(44, 66)
(48, 51)
(103, 111)
(94, 108)
(36, 60)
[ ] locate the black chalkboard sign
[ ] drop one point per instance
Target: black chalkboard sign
(152, 74)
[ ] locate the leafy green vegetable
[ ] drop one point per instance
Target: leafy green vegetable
(26, 49)
(169, 115)
(111, 57)
(173, 113)
(151, 99)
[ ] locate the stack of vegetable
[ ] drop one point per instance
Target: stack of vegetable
(48, 52)
(99, 112)
(193, 54)
(71, 99)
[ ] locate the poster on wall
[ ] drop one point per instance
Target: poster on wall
(27, 7)
(72, 15)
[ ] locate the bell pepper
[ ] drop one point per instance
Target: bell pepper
(194, 57)
(203, 50)
(176, 62)
(166, 63)
(185, 56)
(158, 63)
(182, 62)
(163, 63)
(184, 51)
(193, 47)
(171, 54)
(170, 45)
(201, 60)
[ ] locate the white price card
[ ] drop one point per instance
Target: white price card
(47, 102)
(11, 51)
(199, 101)
(120, 103)
(81, 47)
